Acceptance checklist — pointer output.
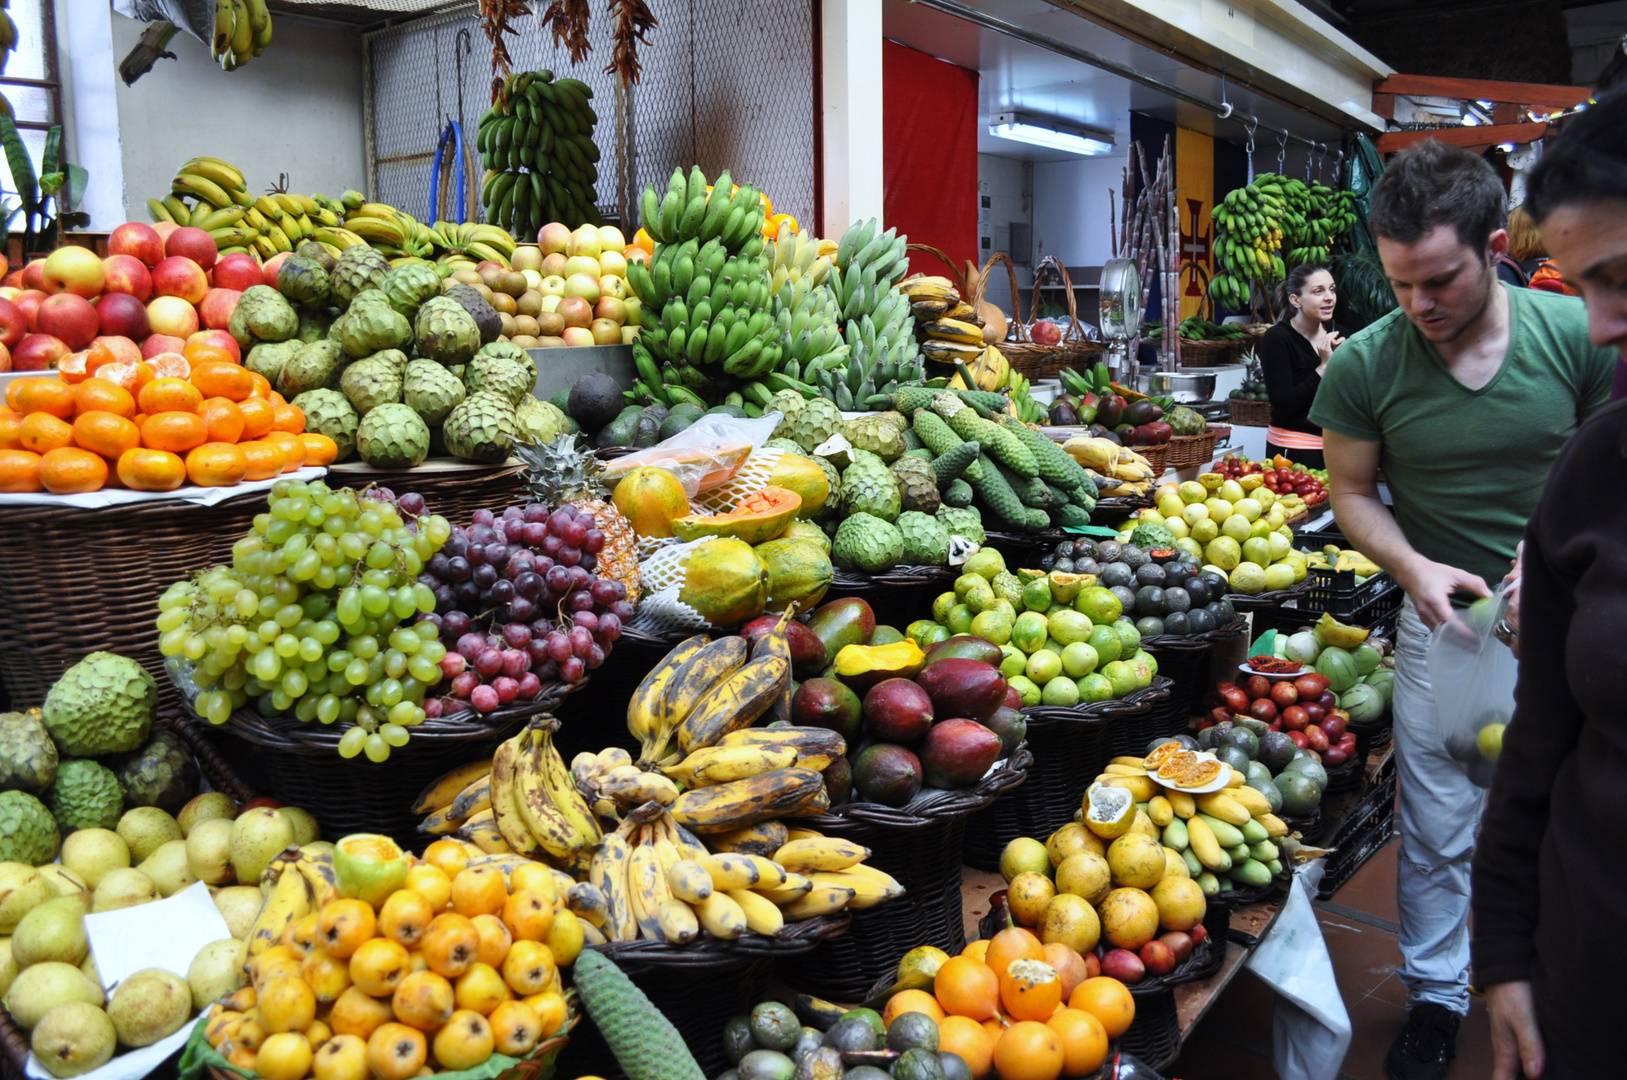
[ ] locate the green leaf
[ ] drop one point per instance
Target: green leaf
(50, 160)
(22, 168)
(51, 183)
(74, 189)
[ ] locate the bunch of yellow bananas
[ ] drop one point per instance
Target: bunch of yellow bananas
(242, 31)
(703, 690)
(296, 883)
(947, 328)
(221, 205)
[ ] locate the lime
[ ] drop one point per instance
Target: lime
(1237, 527)
(1248, 578)
(1093, 688)
(1224, 552)
(1105, 640)
(980, 597)
(1044, 666)
(1490, 741)
(1026, 688)
(1068, 626)
(1099, 604)
(1079, 660)
(1060, 691)
(1121, 676)
(1012, 660)
(1231, 490)
(960, 619)
(1279, 576)
(992, 626)
(1129, 637)
(1280, 547)
(941, 605)
(1037, 595)
(1029, 632)
(1249, 508)
(1193, 492)
(1257, 550)
(1205, 530)
(985, 563)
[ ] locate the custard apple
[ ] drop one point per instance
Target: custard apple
(304, 281)
(926, 540)
(392, 436)
(876, 435)
(269, 357)
(357, 269)
(314, 325)
(963, 521)
(330, 413)
(372, 382)
(262, 315)
(787, 403)
(409, 285)
(28, 757)
(865, 542)
(513, 352)
(313, 367)
(85, 795)
(431, 390)
(539, 421)
(28, 832)
(500, 375)
(484, 315)
(817, 421)
(163, 774)
(869, 487)
(445, 332)
(1185, 421)
(481, 429)
(371, 325)
(917, 485)
(101, 705)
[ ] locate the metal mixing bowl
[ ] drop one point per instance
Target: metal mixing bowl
(1180, 385)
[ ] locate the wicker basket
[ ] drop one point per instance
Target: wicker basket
(1168, 715)
(1119, 505)
(1029, 359)
(1186, 661)
(1157, 456)
(452, 489)
(1249, 413)
(1212, 353)
(920, 845)
(1154, 1035)
(1070, 746)
(1190, 451)
(900, 595)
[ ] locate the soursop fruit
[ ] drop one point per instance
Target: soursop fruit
(357, 269)
(876, 435)
(926, 540)
(310, 249)
(481, 429)
(917, 485)
(162, 773)
(445, 332)
(500, 375)
(431, 390)
(963, 521)
(1185, 421)
(28, 757)
(313, 367)
(262, 315)
(817, 421)
(539, 421)
(28, 832)
(866, 542)
(484, 315)
(304, 281)
(407, 286)
(371, 325)
(372, 382)
(330, 413)
(269, 357)
(101, 705)
(85, 795)
(392, 436)
(869, 487)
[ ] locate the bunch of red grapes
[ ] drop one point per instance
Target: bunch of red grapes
(518, 605)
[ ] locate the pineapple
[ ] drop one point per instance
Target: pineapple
(560, 473)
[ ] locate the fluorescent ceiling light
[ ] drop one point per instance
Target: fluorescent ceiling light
(1051, 133)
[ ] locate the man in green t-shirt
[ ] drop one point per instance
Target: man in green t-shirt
(1463, 397)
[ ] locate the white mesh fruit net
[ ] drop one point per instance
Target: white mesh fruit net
(661, 576)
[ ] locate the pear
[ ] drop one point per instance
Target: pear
(124, 888)
(239, 905)
(146, 828)
(214, 973)
(91, 853)
(22, 888)
(209, 852)
(65, 881)
(211, 804)
(53, 931)
(89, 968)
(258, 836)
(305, 827)
(39, 989)
(168, 869)
(8, 966)
(149, 1005)
(74, 1038)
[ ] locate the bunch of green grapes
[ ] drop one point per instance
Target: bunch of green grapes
(318, 615)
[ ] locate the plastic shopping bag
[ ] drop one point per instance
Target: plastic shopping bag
(196, 17)
(708, 454)
(1473, 675)
(1310, 1027)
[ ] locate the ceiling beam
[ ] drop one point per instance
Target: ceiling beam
(1470, 138)
(1556, 97)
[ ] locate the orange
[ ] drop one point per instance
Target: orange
(170, 366)
(19, 471)
(257, 417)
(101, 395)
(968, 988)
(288, 418)
(378, 966)
(515, 1027)
(74, 368)
(1109, 1001)
(224, 419)
(293, 449)
(404, 917)
(1030, 990)
(217, 464)
(41, 432)
(642, 239)
(39, 394)
(344, 925)
(223, 378)
(1013, 943)
(174, 431)
(11, 430)
(450, 945)
(265, 459)
(276, 398)
(262, 385)
(1084, 1041)
(204, 352)
(424, 1000)
(130, 376)
(966, 1037)
(450, 856)
(151, 470)
(169, 395)
(396, 1052)
(907, 1001)
(319, 449)
(479, 890)
(105, 433)
(1028, 1050)
(495, 939)
(977, 950)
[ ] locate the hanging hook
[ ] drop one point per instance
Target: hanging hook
(1282, 150)
(1249, 127)
(461, 45)
(1225, 106)
(1338, 167)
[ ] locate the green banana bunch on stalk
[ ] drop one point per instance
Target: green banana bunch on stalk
(536, 143)
(1316, 219)
(242, 31)
(1271, 225)
(694, 210)
(878, 327)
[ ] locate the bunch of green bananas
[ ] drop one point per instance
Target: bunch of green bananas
(1026, 409)
(877, 325)
(1248, 232)
(694, 210)
(1316, 218)
(242, 30)
(239, 221)
(807, 313)
(1196, 329)
(536, 144)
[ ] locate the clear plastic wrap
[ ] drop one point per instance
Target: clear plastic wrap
(706, 455)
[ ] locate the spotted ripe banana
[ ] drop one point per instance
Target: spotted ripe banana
(588, 903)
(826, 854)
(481, 830)
(472, 799)
(868, 891)
(693, 681)
(721, 764)
(647, 889)
(734, 703)
(721, 916)
(318, 871)
(630, 786)
(762, 916)
(745, 802)
(819, 900)
(816, 747)
(731, 871)
(689, 881)
(763, 838)
(290, 901)
(796, 886)
(441, 823)
(644, 710)
(677, 922)
(519, 830)
(608, 874)
(546, 799)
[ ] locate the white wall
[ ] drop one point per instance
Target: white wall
(295, 109)
(1003, 183)
(90, 129)
(1071, 208)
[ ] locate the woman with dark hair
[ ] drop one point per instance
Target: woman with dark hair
(1293, 354)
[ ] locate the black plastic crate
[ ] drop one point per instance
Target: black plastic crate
(1369, 825)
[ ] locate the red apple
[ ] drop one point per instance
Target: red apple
(268, 272)
(179, 276)
(127, 274)
(5, 358)
(219, 338)
(157, 344)
(122, 314)
(195, 244)
(73, 269)
(237, 271)
(38, 352)
(34, 275)
(138, 240)
(172, 315)
(576, 312)
(70, 317)
(609, 307)
(579, 335)
(13, 324)
(605, 332)
(123, 349)
(217, 307)
(28, 302)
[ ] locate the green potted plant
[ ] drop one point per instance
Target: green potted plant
(47, 198)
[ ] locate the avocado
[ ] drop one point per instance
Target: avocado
(1176, 623)
(659, 411)
(775, 1026)
(1150, 600)
(912, 1030)
(1310, 768)
(562, 401)
(1276, 751)
(1232, 755)
(766, 1065)
(1116, 574)
(618, 432)
(595, 400)
(727, 410)
(1150, 626)
(920, 1063)
(1273, 797)
(681, 417)
(1300, 795)
(647, 431)
(737, 1039)
(851, 1034)
(954, 1066)
(1199, 621)
(1151, 574)
(1244, 739)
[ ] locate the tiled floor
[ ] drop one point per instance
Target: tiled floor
(1234, 1041)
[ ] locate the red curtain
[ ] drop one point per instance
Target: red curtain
(929, 156)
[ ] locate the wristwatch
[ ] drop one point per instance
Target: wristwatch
(1504, 632)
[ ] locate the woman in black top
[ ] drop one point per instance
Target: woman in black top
(1292, 356)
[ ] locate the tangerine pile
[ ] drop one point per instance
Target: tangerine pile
(459, 965)
(1014, 1007)
(151, 426)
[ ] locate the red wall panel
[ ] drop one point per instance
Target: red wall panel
(929, 151)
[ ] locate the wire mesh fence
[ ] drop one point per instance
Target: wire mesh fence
(726, 84)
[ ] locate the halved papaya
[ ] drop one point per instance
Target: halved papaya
(754, 519)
